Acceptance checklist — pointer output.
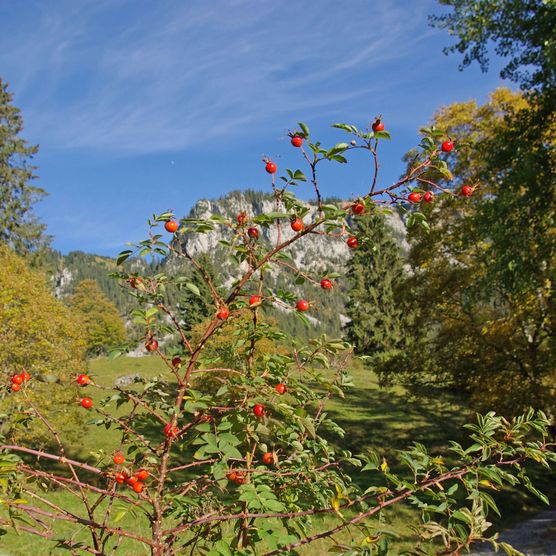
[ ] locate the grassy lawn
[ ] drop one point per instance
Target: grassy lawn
(386, 420)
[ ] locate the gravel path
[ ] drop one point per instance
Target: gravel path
(534, 537)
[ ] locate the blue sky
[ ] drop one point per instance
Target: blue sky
(142, 106)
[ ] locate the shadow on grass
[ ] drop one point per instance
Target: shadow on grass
(388, 420)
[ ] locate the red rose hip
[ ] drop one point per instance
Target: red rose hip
(447, 146)
(83, 379)
(170, 431)
(171, 226)
(118, 458)
(428, 197)
(467, 191)
(326, 284)
(223, 313)
(268, 458)
(240, 479)
(142, 474)
(297, 141)
(414, 197)
(297, 225)
(358, 208)
(378, 125)
(87, 403)
(259, 410)
(253, 233)
(151, 345)
(281, 388)
(302, 305)
(352, 242)
(271, 167)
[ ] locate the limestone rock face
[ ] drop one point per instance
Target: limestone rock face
(315, 252)
(62, 282)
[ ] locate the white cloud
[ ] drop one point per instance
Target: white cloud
(139, 77)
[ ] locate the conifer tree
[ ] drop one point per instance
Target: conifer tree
(375, 271)
(194, 300)
(19, 227)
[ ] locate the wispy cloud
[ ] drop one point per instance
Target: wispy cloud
(139, 77)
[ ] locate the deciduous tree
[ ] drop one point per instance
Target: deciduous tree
(103, 325)
(40, 335)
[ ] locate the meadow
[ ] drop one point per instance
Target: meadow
(383, 419)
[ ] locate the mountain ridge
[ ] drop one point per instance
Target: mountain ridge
(315, 254)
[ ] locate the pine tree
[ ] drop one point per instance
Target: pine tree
(375, 271)
(195, 307)
(103, 324)
(19, 228)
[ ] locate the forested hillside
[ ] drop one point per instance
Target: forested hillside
(315, 255)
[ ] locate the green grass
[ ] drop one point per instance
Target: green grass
(106, 371)
(386, 420)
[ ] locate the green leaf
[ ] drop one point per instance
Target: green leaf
(193, 288)
(304, 129)
(123, 256)
(119, 516)
(382, 134)
(222, 548)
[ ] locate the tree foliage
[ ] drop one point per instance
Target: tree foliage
(19, 228)
(482, 276)
(39, 334)
(104, 327)
(193, 304)
(514, 219)
(377, 326)
(521, 30)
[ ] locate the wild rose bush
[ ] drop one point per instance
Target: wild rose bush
(221, 459)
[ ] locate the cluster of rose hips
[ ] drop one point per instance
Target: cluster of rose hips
(239, 478)
(136, 481)
(415, 197)
(83, 380)
(259, 409)
(428, 197)
(358, 208)
(18, 380)
(255, 300)
(170, 431)
(296, 225)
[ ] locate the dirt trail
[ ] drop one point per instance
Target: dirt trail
(534, 537)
